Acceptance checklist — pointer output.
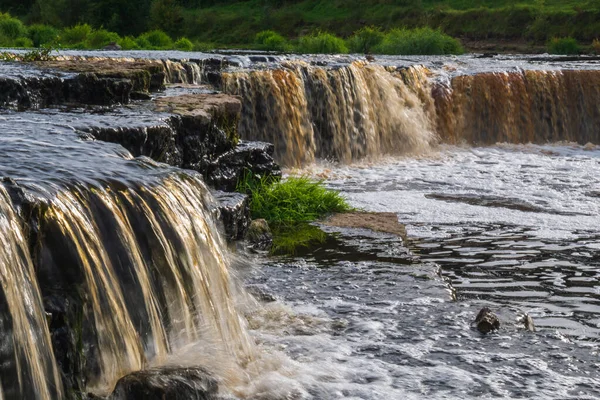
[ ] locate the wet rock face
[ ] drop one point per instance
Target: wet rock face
(233, 211)
(173, 383)
(487, 321)
(227, 169)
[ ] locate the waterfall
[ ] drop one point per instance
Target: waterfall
(343, 113)
(520, 107)
(27, 365)
(146, 270)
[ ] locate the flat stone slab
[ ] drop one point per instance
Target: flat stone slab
(200, 105)
(378, 222)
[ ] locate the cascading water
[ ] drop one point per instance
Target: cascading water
(27, 365)
(345, 113)
(153, 268)
(520, 107)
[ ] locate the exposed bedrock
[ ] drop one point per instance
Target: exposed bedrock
(202, 136)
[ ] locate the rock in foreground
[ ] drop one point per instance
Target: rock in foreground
(172, 383)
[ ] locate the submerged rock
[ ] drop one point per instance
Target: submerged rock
(259, 235)
(172, 383)
(487, 321)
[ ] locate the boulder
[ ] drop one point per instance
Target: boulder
(173, 383)
(259, 236)
(487, 321)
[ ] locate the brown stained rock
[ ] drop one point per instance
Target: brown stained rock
(379, 222)
(487, 321)
(201, 105)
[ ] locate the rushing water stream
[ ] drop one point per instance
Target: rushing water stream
(112, 263)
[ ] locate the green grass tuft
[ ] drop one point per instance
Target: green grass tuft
(295, 199)
(184, 44)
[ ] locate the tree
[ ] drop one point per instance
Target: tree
(167, 16)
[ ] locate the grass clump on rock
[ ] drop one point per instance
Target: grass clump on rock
(289, 205)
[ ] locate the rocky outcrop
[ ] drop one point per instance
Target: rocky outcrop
(173, 383)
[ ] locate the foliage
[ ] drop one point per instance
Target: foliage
(100, 38)
(156, 39)
(418, 41)
(12, 28)
(23, 42)
(271, 40)
(565, 45)
(41, 54)
(295, 199)
(321, 43)
(128, 43)
(365, 40)
(76, 34)
(43, 35)
(184, 44)
(596, 46)
(201, 46)
(166, 15)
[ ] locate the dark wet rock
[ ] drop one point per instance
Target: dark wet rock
(65, 314)
(158, 142)
(172, 383)
(487, 321)
(259, 236)
(89, 88)
(112, 46)
(256, 157)
(233, 211)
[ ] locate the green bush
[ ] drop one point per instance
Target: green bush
(100, 38)
(128, 43)
(425, 41)
(365, 40)
(43, 34)
(76, 34)
(271, 40)
(12, 27)
(156, 39)
(184, 44)
(321, 43)
(143, 43)
(23, 42)
(566, 45)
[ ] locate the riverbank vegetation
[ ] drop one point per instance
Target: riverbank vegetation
(299, 25)
(289, 205)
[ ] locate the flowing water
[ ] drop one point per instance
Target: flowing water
(111, 264)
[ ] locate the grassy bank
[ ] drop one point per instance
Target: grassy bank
(289, 206)
(229, 23)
